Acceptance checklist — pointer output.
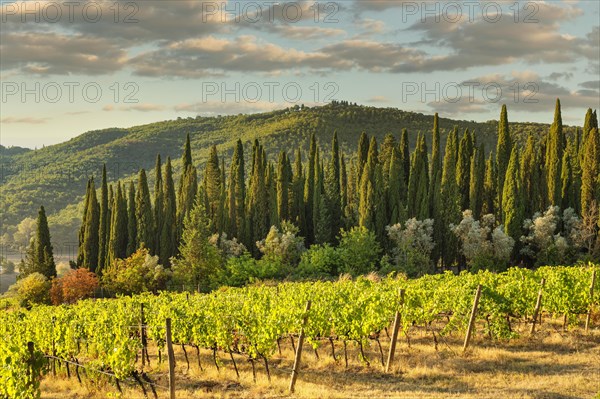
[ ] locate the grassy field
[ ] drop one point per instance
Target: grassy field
(553, 364)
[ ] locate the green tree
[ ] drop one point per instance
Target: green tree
(168, 235)
(188, 186)
(309, 186)
(418, 200)
(212, 186)
(199, 261)
(159, 205)
(132, 244)
(81, 235)
(397, 189)
(333, 189)
(143, 214)
(237, 193)
(404, 154)
(503, 151)
(555, 143)
(489, 186)
(435, 171)
(297, 211)
(530, 177)
(567, 189)
(91, 231)
(512, 200)
(43, 253)
(590, 170)
(258, 207)
(117, 244)
(103, 232)
(450, 202)
(476, 192)
(463, 169)
(283, 186)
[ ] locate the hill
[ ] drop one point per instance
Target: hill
(56, 176)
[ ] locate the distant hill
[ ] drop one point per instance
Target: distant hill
(56, 176)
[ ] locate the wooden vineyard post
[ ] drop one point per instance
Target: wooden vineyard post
(538, 305)
(30, 362)
(390, 358)
(53, 364)
(296, 368)
(589, 313)
(171, 356)
(143, 336)
(472, 318)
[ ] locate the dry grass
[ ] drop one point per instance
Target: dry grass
(551, 365)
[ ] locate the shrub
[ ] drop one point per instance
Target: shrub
(31, 290)
(284, 244)
(319, 261)
(138, 273)
(73, 286)
(359, 251)
(239, 270)
(413, 244)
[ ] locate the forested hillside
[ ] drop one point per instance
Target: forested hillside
(56, 175)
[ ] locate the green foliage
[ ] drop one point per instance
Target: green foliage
(358, 250)
(40, 257)
(31, 290)
(138, 273)
(319, 261)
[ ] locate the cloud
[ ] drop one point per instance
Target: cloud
(25, 120)
(591, 84)
(379, 99)
(146, 107)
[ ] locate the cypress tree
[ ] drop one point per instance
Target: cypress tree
(512, 200)
(117, 244)
(435, 172)
(81, 236)
(489, 187)
(104, 222)
(92, 224)
(566, 178)
(237, 193)
(397, 189)
(188, 186)
(477, 172)
(343, 188)
(258, 207)
(333, 189)
(40, 257)
(590, 170)
(132, 243)
(168, 242)
(385, 155)
(380, 201)
(362, 154)
(297, 211)
(159, 205)
(588, 125)
(322, 220)
(351, 210)
(554, 153)
(143, 214)
(309, 186)
(418, 200)
(283, 189)
(450, 202)
(529, 177)
(463, 169)
(271, 186)
(405, 154)
(503, 151)
(212, 184)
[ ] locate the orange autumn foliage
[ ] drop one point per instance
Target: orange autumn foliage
(75, 285)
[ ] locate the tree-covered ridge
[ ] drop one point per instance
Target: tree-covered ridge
(451, 209)
(55, 176)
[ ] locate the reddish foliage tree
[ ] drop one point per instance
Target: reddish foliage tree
(73, 286)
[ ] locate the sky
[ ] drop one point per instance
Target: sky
(67, 67)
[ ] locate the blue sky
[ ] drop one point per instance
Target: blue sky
(66, 69)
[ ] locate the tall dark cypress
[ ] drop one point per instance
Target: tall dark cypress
(40, 257)
(554, 154)
(333, 189)
(590, 187)
(237, 193)
(188, 186)
(343, 188)
(145, 228)
(159, 205)
(503, 150)
(397, 189)
(529, 177)
(490, 186)
(297, 211)
(477, 177)
(81, 235)
(512, 200)
(91, 231)
(435, 170)
(258, 207)
(283, 187)
(567, 189)
(271, 187)
(418, 183)
(117, 244)
(405, 154)
(168, 239)
(450, 201)
(104, 222)
(132, 243)
(212, 185)
(463, 169)
(309, 186)
(363, 153)
(322, 218)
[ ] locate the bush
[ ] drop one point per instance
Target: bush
(319, 261)
(413, 244)
(138, 273)
(31, 290)
(239, 270)
(284, 245)
(73, 286)
(359, 251)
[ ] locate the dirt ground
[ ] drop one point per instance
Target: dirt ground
(551, 365)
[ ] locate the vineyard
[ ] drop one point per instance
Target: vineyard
(112, 336)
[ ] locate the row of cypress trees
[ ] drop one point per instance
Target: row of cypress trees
(381, 185)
